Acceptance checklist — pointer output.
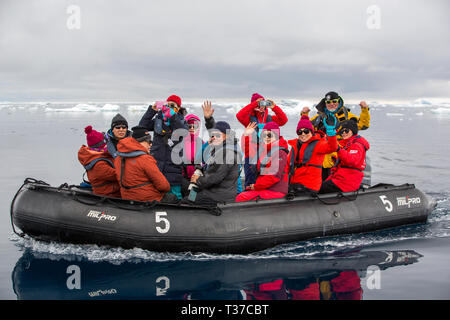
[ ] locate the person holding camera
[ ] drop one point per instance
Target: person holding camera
(257, 112)
(163, 120)
(217, 180)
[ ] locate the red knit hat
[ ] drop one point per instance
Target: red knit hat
(256, 96)
(305, 123)
(94, 138)
(272, 126)
(175, 99)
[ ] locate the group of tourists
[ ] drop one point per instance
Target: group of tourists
(177, 166)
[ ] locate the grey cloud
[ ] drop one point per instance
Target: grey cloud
(138, 50)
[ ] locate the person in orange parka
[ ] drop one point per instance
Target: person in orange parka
(137, 172)
(98, 163)
(306, 156)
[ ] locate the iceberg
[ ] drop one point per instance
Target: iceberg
(393, 114)
(441, 111)
(137, 108)
(110, 107)
(81, 107)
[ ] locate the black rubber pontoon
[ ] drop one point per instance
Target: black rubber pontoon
(69, 214)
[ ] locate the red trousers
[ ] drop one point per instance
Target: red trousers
(255, 195)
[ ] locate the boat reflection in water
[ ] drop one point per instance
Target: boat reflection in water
(38, 276)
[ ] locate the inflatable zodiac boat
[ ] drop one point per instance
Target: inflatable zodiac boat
(73, 215)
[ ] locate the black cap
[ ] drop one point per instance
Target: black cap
(222, 126)
(321, 106)
(118, 119)
(350, 124)
(141, 134)
(331, 95)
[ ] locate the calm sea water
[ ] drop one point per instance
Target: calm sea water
(409, 144)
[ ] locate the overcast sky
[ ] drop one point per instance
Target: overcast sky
(131, 50)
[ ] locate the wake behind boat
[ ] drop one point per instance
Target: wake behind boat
(70, 214)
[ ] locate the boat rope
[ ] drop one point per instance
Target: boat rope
(213, 209)
(132, 207)
(67, 186)
(143, 206)
(352, 199)
(256, 198)
(95, 203)
(11, 212)
(339, 196)
(289, 196)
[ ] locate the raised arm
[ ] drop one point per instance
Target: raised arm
(147, 119)
(364, 117)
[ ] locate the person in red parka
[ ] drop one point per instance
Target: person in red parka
(257, 112)
(272, 176)
(348, 174)
(98, 163)
(253, 112)
(137, 172)
(306, 157)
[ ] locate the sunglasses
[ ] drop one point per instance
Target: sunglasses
(304, 131)
(120, 127)
(173, 105)
(216, 135)
(332, 101)
(193, 126)
(344, 131)
(267, 135)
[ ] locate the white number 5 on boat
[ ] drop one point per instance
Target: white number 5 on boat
(387, 203)
(159, 217)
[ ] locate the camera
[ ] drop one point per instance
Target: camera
(264, 103)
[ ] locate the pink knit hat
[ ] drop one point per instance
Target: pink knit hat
(256, 96)
(272, 126)
(94, 138)
(191, 118)
(305, 123)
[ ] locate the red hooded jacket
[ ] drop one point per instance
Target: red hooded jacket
(348, 174)
(244, 115)
(309, 175)
(139, 170)
(273, 173)
(102, 174)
